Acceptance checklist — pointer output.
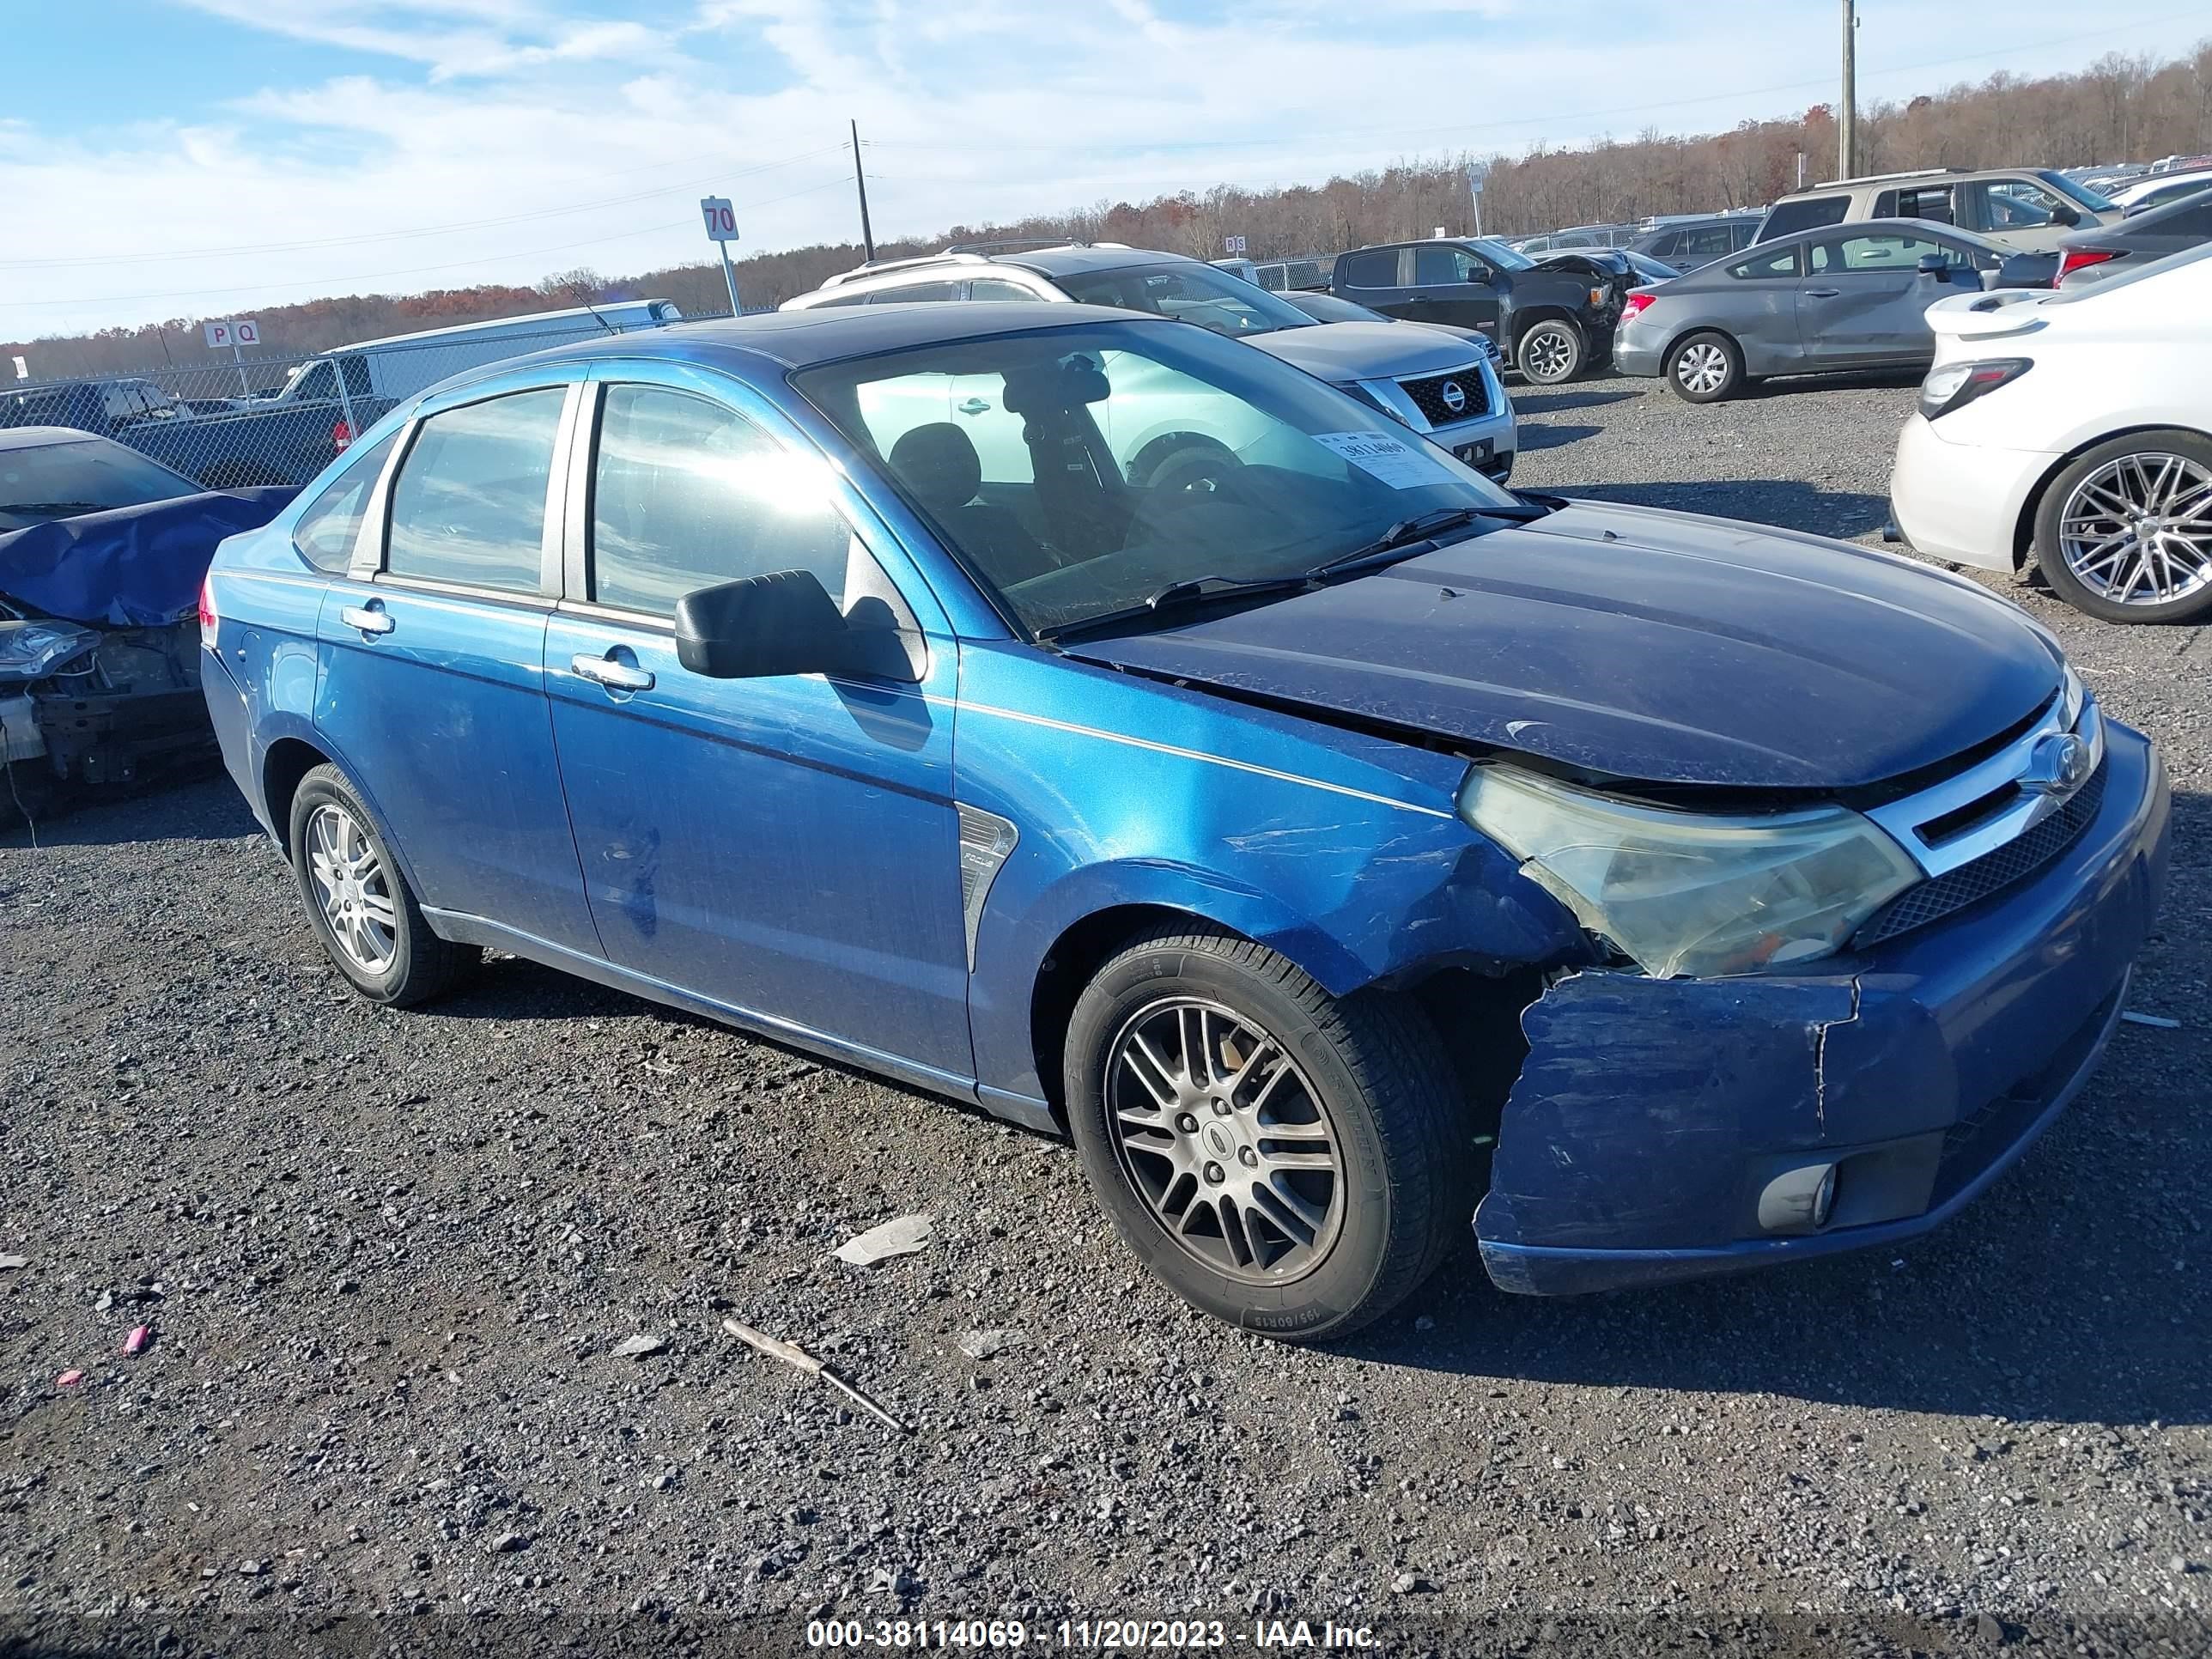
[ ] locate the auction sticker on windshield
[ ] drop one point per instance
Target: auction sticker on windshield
(1395, 463)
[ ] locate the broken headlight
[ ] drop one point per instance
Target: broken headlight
(1684, 892)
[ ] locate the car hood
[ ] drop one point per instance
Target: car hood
(1641, 645)
(1366, 352)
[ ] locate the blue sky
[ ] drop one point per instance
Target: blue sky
(165, 158)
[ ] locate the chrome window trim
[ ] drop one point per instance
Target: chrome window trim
(1900, 818)
(373, 555)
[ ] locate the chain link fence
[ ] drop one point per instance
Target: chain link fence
(279, 419)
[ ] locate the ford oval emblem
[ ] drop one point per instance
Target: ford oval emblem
(1455, 395)
(2057, 766)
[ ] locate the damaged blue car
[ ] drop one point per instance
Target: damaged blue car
(1342, 850)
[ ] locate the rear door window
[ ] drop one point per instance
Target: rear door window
(327, 530)
(1714, 243)
(469, 505)
(1371, 268)
(1772, 263)
(1810, 214)
(998, 287)
(687, 494)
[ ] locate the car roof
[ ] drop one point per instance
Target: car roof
(1068, 261)
(1878, 227)
(42, 437)
(824, 334)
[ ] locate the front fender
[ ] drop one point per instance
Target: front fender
(1341, 850)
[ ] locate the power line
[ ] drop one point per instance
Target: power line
(414, 271)
(1552, 118)
(166, 258)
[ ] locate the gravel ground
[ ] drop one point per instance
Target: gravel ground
(390, 1261)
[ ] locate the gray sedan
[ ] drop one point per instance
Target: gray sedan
(1842, 297)
(2090, 256)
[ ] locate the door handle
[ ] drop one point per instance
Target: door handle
(370, 618)
(615, 676)
(975, 406)
(1822, 293)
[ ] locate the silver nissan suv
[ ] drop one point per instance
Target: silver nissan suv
(1441, 384)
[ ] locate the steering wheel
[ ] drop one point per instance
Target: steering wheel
(1197, 468)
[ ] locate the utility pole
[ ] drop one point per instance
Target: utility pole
(860, 183)
(1847, 116)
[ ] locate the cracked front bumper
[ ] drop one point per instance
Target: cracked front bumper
(1651, 1114)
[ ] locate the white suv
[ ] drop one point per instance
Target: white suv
(1440, 385)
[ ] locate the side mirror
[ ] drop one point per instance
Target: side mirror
(1934, 264)
(782, 623)
(2062, 215)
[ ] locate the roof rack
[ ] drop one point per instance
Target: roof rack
(1018, 244)
(1884, 178)
(874, 267)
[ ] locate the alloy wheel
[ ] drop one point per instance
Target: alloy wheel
(1702, 367)
(351, 886)
(2138, 530)
(1547, 356)
(1225, 1139)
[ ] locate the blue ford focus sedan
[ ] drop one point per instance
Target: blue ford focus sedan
(1339, 848)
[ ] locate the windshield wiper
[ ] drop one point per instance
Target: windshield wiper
(50, 507)
(1178, 596)
(1402, 539)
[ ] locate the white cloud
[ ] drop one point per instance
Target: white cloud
(457, 141)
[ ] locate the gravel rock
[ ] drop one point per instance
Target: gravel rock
(387, 1242)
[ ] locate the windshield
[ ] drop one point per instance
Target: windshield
(2080, 193)
(1498, 254)
(1077, 471)
(1188, 292)
(61, 480)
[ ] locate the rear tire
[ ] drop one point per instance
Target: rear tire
(360, 905)
(2125, 517)
(1551, 353)
(1706, 368)
(1290, 1163)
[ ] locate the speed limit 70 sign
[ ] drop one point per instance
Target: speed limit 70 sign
(721, 219)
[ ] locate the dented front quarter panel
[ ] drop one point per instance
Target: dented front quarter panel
(1341, 850)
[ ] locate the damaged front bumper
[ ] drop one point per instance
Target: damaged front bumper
(1655, 1121)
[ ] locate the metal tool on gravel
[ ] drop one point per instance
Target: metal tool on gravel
(799, 1359)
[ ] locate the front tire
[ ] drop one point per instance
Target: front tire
(1289, 1162)
(2124, 533)
(1551, 353)
(1706, 368)
(358, 902)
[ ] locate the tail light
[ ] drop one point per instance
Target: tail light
(2080, 258)
(1633, 306)
(1956, 385)
(210, 621)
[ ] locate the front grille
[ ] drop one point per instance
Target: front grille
(1994, 871)
(1428, 396)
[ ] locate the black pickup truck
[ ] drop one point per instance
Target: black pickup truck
(218, 447)
(1551, 323)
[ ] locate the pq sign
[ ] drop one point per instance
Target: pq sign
(244, 332)
(721, 218)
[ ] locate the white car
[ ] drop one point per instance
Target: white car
(2074, 427)
(2157, 189)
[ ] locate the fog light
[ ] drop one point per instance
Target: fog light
(1799, 1200)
